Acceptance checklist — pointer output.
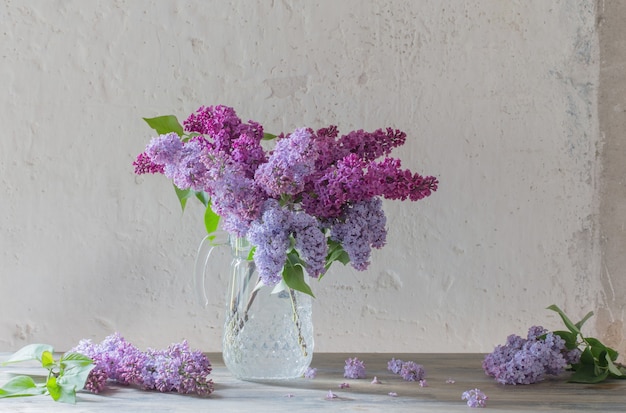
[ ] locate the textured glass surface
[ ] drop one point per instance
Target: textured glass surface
(266, 335)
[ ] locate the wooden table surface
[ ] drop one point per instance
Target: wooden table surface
(309, 395)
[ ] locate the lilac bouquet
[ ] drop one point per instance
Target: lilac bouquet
(311, 199)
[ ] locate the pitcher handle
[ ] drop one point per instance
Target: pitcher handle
(208, 244)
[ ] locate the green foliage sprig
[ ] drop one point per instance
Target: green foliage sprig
(597, 361)
(65, 375)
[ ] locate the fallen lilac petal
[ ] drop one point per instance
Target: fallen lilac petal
(423, 383)
(393, 394)
(376, 381)
(310, 373)
(450, 381)
(330, 395)
(290, 395)
(344, 385)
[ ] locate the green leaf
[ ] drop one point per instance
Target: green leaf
(587, 357)
(250, 256)
(268, 136)
(336, 253)
(53, 388)
(598, 347)
(211, 220)
(75, 359)
(29, 352)
(203, 197)
(585, 318)
(587, 374)
(165, 124)
(613, 369)
(569, 337)
(21, 386)
(183, 195)
(74, 377)
(293, 274)
(568, 323)
(47, 359)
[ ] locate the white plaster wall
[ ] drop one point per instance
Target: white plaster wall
(498, 99)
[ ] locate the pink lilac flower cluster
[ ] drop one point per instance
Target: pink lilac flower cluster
(354, 369)
(527, 361)
(408, 370)
(175, 369)
(475, 398)
(314, 188)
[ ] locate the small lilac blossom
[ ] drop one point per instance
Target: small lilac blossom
(394, 365)
(310, 373)
(165, 149)
(290, 163)
(363, 227)
(423, 383)
(96, 380)
(354, 369)
(310, 242)
(330, 395)
(376, 381)
(270, 234)
(144, 165)
(475, 398)
(411, 371)
(344, 385)
(450, 381)
(393, 394)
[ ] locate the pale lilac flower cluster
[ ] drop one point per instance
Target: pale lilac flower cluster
(311, 189)
(310, 373)
(354, 369)
(175, 369)
(475, 398)
(363, 227)
(526, 361)
(408, 370)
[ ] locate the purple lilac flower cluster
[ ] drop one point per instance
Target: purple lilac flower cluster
(313, 188)
(354, 369)
(175, 369)
(408, 370)
(526, 361)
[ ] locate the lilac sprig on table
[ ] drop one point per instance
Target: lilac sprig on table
(475, 398)
(408, 370)
(312, 199)
(174, 369)
(530, 360)
(354, 369)
(542, 353)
